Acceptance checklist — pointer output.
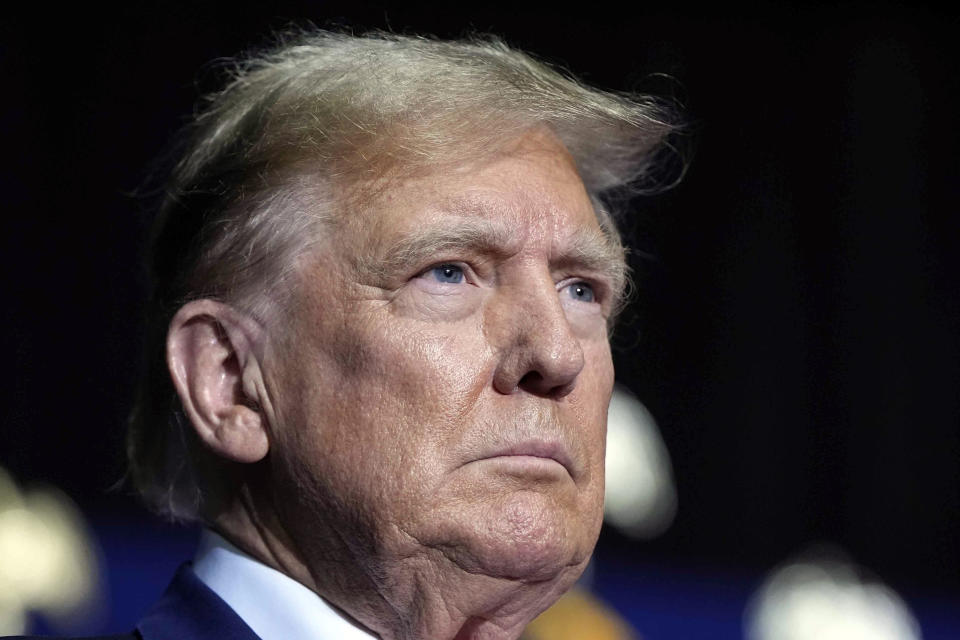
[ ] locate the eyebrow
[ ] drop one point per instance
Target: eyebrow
(597, 252)
(461, 233)
(589, 249)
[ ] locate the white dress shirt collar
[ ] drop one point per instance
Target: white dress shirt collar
(274, 605)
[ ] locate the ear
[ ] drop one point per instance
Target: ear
(212, 355)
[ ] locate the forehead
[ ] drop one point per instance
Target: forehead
(528, 190)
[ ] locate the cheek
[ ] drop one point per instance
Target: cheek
(597, 378)
(432, 375)
(387, 399)
(593, 399)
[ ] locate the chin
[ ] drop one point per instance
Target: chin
(525, 536)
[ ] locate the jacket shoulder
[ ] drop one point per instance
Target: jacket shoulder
(189, 610)
(119, 636)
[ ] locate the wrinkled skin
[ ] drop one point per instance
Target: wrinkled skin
(436, 401)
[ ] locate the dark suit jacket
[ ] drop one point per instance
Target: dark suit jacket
(188, 610)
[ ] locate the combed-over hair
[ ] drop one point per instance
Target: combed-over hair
(283, 147)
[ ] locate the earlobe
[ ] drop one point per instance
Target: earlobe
(212, 360)
(240, 436)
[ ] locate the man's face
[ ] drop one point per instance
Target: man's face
(442, 385)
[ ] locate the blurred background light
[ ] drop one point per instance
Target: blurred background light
(820, 597)
(578, 615)
(641, 498)
(48, 563)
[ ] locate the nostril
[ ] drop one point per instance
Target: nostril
(534, 382)
(531, 379)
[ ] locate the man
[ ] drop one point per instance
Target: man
(379, 368)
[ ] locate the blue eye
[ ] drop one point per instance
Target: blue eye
(581, 291)
(447, 273)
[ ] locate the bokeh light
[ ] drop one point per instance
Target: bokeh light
(641, 498)
(827, 597)
(47, 560)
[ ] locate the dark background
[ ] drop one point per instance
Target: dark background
(796, 333)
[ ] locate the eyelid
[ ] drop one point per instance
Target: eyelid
(469, 276)
(601, 288)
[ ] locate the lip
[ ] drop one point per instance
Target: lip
(534, 449)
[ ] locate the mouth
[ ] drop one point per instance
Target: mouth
(534, 456)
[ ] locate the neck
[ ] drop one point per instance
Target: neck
(407, 595)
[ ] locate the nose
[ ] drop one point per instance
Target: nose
(539, 353)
